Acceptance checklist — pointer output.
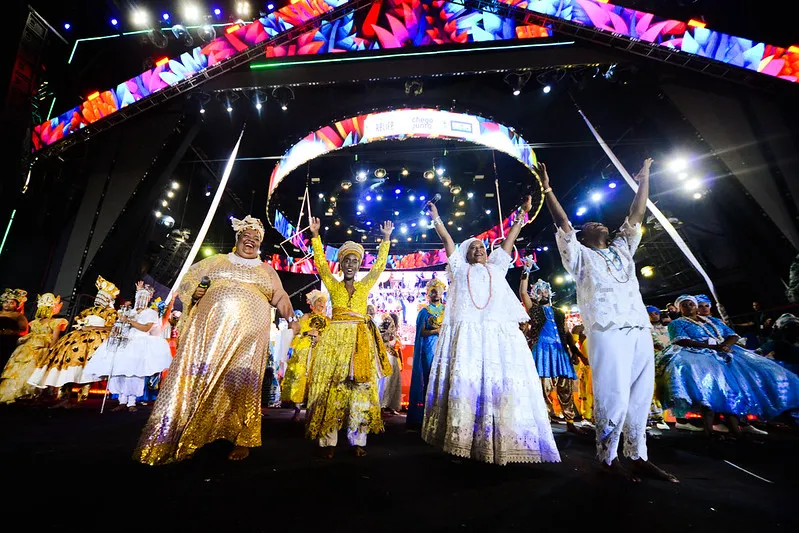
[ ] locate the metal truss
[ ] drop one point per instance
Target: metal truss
(198, 79)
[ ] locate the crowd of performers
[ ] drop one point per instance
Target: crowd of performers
(491, 368)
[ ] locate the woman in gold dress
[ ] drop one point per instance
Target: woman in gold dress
(350, 356)
(13, 323)
(44, 332)
(294, 388)
(213, 388)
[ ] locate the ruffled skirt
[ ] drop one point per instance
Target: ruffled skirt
(142, 355)
(552, 361)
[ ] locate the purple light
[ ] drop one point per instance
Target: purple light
(67, 26)
(612, 185)
(217, 12)
(397, 191)
(369, 198)
(368, 222)
(270, 7)
(114, 22)
(422, 198)
(165, 16)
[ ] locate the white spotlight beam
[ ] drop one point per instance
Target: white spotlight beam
(195, 248)
(670, 230)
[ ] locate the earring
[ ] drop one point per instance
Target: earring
(234, 249)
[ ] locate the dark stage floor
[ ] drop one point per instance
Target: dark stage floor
(70, 470)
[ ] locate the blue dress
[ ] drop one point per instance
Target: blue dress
(423, 350)
(551, 358)
(739, 382)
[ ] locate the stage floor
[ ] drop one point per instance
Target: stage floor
(70, 470)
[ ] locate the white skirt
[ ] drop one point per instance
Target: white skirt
(143, 355)
(484, 398)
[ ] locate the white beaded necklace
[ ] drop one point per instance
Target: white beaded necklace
(243, 262)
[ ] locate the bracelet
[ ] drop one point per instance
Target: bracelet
(437, 221)
(292, 318)
(547, 190)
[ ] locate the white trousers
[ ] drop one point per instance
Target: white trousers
(623, 366)
(128, 388)
(355, 436)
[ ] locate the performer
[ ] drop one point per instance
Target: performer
(617, 326)
(484, 398)
(706, 368)
(44, 332)
(553, 348)
(428, 328)
(132, 357)
(13, 323)
(294, 388)
(390, 387)
(350, 356)
(213, 388)
(584, 395)
(64, 365)
(660, 341)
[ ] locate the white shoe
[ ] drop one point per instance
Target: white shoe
(753, 430)
(662, 426)
(653, 431)
(687, 427)
(720, 428)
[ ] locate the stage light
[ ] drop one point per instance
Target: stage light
(422, 222)
(440, 171)
(546, 248)
(208, 252)
(380, 173)
(170, 194)
(243, 8)
(648, 271)
(546, 89)
(337, 223)
(424, 235)
(368, 222)
(692, 184)
(449, 223)
(559, 280)
(539, 249)
(217, 12)
(378, 197)
(678, 164)
(397, 191)
(158, 214)
(429, 174)
(114, 22)
(517, 92)
(469, 195)
(361, 207)
(368, 197)
(360, 177)
(327, 228)
(396, 213)
(459, 228)
(455, 189)
(682, 175)
(165, 16)
(229, 109)
(363, 237)
(270, 7)
(284, 107)
(140, 17)
(697, 196)
(404, 229)
(422, 198)
(164, 203)
(612, 185)
(175, 185)
(208, 191)
(191, 12)
(567, 277)
(461, 203)
(404, 172)
(258, 106)
(332, 198)
(168, 221)
(67, 26)
(410, 239)
(346, 184)
(488, 211)
(395, 241)
(412, 198)
(459, 213)
(581, 211)
(446, 182)
(202, 110)
(349, 231)
(596, 197)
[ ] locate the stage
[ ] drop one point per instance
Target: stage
(71, 470)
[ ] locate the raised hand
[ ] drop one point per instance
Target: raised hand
(527, 205)
(315, 225)
(432, 209)
(541, 169)
(386, 228)
(644, 172)
(139, 285)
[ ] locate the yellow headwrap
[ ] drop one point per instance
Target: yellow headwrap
(436, 283)
(348, 248)
(315, 295)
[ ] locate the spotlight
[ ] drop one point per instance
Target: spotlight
(692, 184)
(202, 110)
(596, 197)
(449, 223)
(332, 199)
(488, 211)
(429, 174)
(360, 176)
(380, 173)
(404, 172)
(208, 191)
(363, 237)
(459, 228)
(270, 6)
(567, 277)
(284, 107)
(378, 197)
(539, 249)
(368, 222)
(140, 17)
(697, 196)
(410, 239)
(175, 185)
(170, 194)
(164, 203)
(422, 198)
(559, 280)
(469, 195)
(397, 191)
(678, 164)
(168, 221)
(229, 109)
(368, 197)
(114, 22)
(258, 106)
(412, 198)
(346, 184)
(191, 12)
(546, 248)
(217, 12)
(208, 252)
(547, 89)
(581, 211)
(461, 203)
(517, 92)
(424, 235)
(404, 230)
(360, 207)
(337, 223)
(165, 16)
(349, 231)
(396, 213)
(446, 182)
(455, 189)
(158, 214)
(243, 8)
(648, 271)
(440, 171)
(612, 185)
(321, 195)
(327, 228)
(682, 175)
(422, 222)
(67, 26)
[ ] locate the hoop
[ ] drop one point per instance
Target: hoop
(495, 245)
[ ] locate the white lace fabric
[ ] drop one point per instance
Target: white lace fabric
(608, 297)
(241, 261)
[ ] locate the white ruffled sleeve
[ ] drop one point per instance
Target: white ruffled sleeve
(629, 236)
(454, 264)
(500, 258)
(570, 249)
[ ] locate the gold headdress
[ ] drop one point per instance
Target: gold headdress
(248, 223)
(436, 283)
(314, 295)
(348, 248)
(18, 295)
(47, 304)
(106, 292)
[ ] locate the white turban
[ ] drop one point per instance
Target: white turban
(248, 223)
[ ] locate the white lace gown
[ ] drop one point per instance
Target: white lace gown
(484, 397)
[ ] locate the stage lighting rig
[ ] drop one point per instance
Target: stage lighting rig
(517, 81)
(414, 87)
(157, 38)
(141, 18)
(207, 32)
(181, 33)
(380, 173)
(243, 9)
(284, 95)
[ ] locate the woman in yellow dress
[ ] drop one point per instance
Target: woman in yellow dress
(583, 393)
(13, 323)
(294, 388)
(213, 388)
(34, 347)
(350, 356)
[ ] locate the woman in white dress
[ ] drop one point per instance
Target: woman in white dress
(484, 398)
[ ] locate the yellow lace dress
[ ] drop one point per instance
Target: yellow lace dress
(27, 356)
(295, 383)
(349, 359)
(213, 387)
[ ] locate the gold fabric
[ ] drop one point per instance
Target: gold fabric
(213, 387)
(68, 356)
(295, 383)
(333, 394)
(27, 356)
(584, 391)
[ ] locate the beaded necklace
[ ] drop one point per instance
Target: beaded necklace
(612, 265)
(716, 333)
(490, 287)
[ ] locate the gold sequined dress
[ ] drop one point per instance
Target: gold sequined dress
(27, 356)
(213, 387)
(349, 359)
(69, 355)
(295, 383)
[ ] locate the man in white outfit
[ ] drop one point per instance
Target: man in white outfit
(617, 325)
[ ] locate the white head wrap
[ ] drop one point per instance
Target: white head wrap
(683, 298)
(464, 247)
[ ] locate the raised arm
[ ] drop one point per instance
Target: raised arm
(441, 229)
(319, 254)
(553, 205)
(638, 208)
(516, 227)
(382, 255)
(523, 288)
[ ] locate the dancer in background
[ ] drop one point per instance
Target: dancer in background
(428, 328)
(484, 398)
(660, 341)
(213, 388)
(350, 356)
(584, 392)
(13, 323)
(294, 388)
(32, 349)
(65, 362)
(554, 352)
(617, 326)
(129, 360)
(390, 387)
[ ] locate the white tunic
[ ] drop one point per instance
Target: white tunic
(607, 287)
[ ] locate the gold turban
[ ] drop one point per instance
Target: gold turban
(248, 223)
(348, 248)
(436, 283)
(314, 295)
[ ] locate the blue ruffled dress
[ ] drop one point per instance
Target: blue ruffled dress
(551, 358)
(739, 382)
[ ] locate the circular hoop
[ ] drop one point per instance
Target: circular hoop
(515, 250)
